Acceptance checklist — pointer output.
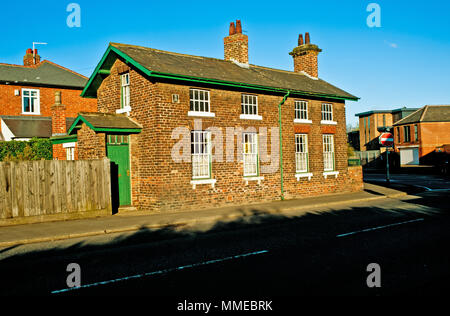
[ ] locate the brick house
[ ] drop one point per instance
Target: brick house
(28, 104)
(372, 123)
(194, 132)
(421, 134)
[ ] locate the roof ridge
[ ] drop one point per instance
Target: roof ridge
(196, 56)
(423, 113)
(400, 121)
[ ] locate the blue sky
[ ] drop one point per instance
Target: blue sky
(405, 62)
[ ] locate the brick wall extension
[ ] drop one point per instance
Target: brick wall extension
(91, 145)
(161, 184)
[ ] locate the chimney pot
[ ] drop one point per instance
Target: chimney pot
(238, 26)
(307, 39)
(232, 28)
(300, 39)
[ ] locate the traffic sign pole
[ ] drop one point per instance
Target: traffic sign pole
(387, 165)
(387, 139)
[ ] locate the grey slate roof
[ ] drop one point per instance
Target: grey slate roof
(429, 113)
(218, 69)
(44, 74)
(32, 126)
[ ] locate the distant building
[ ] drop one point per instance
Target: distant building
(420, 135)
(372, 123)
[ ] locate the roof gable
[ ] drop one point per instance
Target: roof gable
(174, 66)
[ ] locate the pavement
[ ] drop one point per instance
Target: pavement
(137, 220)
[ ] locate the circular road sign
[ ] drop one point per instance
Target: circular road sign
(387, 139)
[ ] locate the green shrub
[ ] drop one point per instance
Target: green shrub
(35, 149)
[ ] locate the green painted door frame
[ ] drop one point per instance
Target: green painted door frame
(118, 152)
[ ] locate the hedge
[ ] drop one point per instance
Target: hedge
(34, 149)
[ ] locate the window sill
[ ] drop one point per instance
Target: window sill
(251, 178)
(328, 122)
(201, 114)
(250, 117)
(302, 121)
(304, 175)
(31, 113)
(126, 109)
(330, 173)
(195, 182)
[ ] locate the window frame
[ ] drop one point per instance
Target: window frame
(195, 111)
(125, 91)
(327, 154)
(204, 142)
(36, 106)
(299, 153)
(416, 132)
(254, 154)
(327, 113)
(406, 134)
(299, 110)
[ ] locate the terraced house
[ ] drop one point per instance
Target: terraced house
(216, 114)
(41, 99)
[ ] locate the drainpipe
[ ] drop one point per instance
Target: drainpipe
(281, 142)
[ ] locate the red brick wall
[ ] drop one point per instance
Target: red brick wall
(12, 105)
(59, 152)
(159, 183)
(91, 145)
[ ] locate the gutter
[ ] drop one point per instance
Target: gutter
(281, 144)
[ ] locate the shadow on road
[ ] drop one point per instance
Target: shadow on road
(305, 256)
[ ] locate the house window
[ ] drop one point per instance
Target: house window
(70, 153)
(384, 120)
(249, 104)
(201, 154)
(30, 101)
(328, 152)
(301, 153)
(125, 92)
(327, 112)
(250, 154)
(416, 133)
(301, 110)
(398, 134)
(406, 136)
(199, 100)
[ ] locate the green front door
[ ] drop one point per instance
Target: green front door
(118, 152)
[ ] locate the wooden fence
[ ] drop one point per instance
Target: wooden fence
(48, 187)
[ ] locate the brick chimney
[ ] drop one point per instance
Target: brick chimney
(305, 56)
(58, 116)
(236, 44)
(31, 58)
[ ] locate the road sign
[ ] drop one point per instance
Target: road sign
(387, 139)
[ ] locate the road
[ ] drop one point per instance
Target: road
(424, 181)
(326, 253)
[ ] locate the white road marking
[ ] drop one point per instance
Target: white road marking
(137, 276)
(379, 227)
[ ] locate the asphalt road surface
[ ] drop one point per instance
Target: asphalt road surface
(326, 253)
(423, 181)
